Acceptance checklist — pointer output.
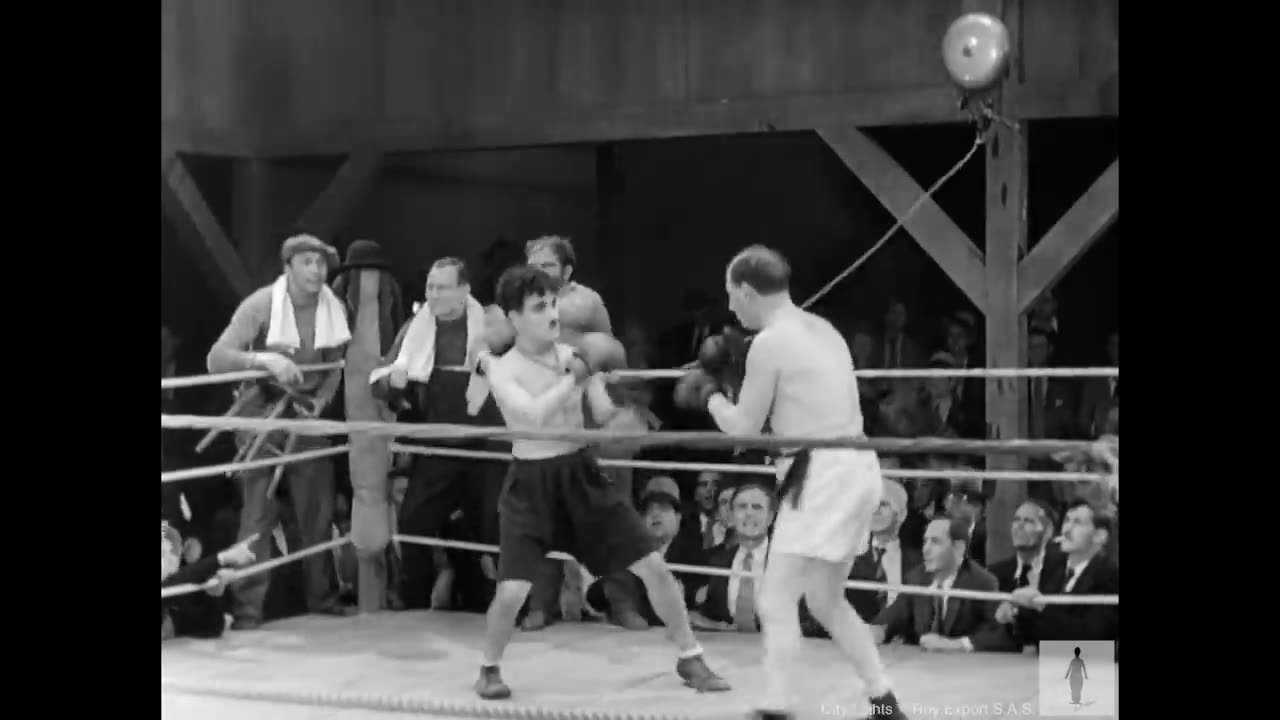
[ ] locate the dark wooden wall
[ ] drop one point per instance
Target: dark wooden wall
(290, 77)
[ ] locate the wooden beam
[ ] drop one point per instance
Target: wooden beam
(198, 227)
(1070, 237)
(330, 211)
(559, 121)
(936, 233)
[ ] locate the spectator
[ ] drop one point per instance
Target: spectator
(1032, 531)
(1043, 314)
(885, 560)
(939, 413)
(970, 392)
(730, 603)
(416, 378)
(928, 497)
(296, 319)
(712, 497)
(944, 624)
(622, 597)
(197, 614)
(896, 349)
(1086, 571)
(1051, 415)
(968, 504)
(1101, 395)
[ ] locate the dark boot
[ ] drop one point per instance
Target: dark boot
(490, 686)
(770, 715)
(696, 674)
(885, 707)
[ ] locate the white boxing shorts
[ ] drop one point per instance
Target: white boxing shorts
(832, 521)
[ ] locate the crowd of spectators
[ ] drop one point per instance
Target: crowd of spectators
(926, 532)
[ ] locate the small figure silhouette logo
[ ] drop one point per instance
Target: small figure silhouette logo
(1078, 679)
(1077, 673)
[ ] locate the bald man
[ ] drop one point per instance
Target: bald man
(799, 378)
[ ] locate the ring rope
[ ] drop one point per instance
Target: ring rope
(216, 378)
(851, 584)
(188, 588)
(701, 439)
(408, 705)
(898, 224)
(1003, 373)
(233, 467)
(902, 474)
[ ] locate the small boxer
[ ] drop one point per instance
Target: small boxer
(555, 496)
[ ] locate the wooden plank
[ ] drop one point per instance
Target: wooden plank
(181, 199)
(1006, 345)
(330, 211)
(1070, 237)
(936, 233)
(1090, 97)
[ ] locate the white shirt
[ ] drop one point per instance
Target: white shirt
(891, 561)
(1075, 574)
(739, 559)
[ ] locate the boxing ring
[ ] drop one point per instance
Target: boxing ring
(424, 662)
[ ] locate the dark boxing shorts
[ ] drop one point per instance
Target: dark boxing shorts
(565, 503)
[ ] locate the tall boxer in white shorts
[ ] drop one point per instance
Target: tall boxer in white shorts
(799, 377)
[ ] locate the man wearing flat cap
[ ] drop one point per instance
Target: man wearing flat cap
(296, 320)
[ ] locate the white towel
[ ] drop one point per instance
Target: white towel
(418, 352)
(331, 320)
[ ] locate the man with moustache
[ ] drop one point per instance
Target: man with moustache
(1086, 570)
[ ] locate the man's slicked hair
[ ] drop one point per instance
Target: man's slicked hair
(762, 269)
(521, 282)
(559, 245)
(464, 276)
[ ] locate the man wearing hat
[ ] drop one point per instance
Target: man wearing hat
(296, 320)
(622, 596)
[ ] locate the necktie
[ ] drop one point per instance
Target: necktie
(1071, 574)
(708, 533)
(877, 555)
(744, 610)
(1024, 577)
(935, 625)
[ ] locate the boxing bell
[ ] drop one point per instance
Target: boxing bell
(694, 390)
(601, 351)
(975, 50)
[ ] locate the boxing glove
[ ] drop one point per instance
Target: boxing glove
(724, 356)
(601, 351)
(579, 366)
(694, 390)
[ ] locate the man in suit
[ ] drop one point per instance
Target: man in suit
(622, 596)
(960, 339)
(1051, 415)
(937, 623)
(712, 495)
(1086, 571)
(730, 602)
(940, 412)
(967, 502)
(1031, 531)
(885, 560)
(1101, 394)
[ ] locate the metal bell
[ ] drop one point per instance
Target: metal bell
(976, 51)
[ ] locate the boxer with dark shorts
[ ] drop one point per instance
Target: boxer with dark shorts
(554, 496)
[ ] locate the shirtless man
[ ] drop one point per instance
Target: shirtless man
(582, 310)
(799, 377)
(539, 385)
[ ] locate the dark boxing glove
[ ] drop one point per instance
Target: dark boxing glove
(724, 356)
(695, 389)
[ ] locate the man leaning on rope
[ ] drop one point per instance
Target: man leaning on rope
(296, 320)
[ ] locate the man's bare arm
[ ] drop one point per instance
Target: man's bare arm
(230, 352)
(602, 407)
(756, 397)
